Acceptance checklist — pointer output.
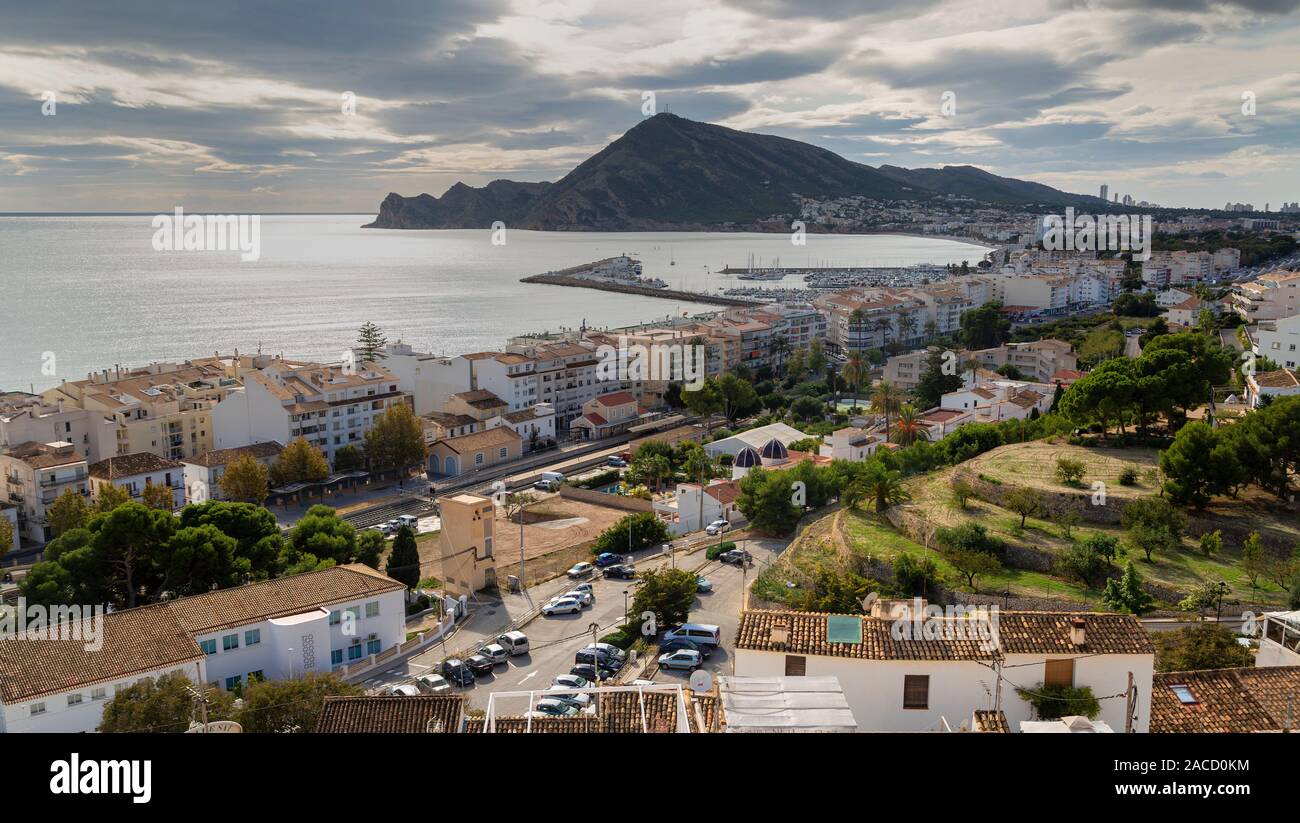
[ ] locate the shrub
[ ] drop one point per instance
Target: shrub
(646, 530)
(1070, 471)
(712, 552)
(1128, 476)
(1055, 702)
(913, 577)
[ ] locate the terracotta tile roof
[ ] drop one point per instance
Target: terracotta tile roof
(44, 456)
(226, 608)
(1280, 379)
(618, 398)
(806, 634)
(448, 420)
(222, 457)
(618, 713)
(130, 465)
(480, 398)
(1049, 633)
(134, 641)
(487, 439)
(1227, 700)
(987, 720)
(724, 493)
(595, 419)
(386, 714)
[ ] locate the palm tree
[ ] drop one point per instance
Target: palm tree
(778, 348)
(856, 318)
(906, 326)
(855, 371)
(908, 428)
(883, 485)
(886, 400)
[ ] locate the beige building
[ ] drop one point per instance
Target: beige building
(33, 476)
(134, 472)
(27, 418)
(473, 452)
(468, 564)
(607, 415)
(203, 473)
(1269, 297)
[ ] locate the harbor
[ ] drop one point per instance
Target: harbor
(622, 274)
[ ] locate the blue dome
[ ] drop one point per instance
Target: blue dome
(775, 450)
(747, 458)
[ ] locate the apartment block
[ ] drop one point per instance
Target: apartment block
(1271, 296)
(133, 473)
(34, 475)
(1279, 340)
(27, 418)
(203, 473)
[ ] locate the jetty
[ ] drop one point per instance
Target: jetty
(623, 275)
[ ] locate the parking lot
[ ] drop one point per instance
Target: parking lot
(554, 640)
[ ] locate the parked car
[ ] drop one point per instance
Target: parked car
(608, 649)
(479, 664)
(551, 707)
(580, 570)
(384, 528)
(457, 673)
(409, 520)
(622, 571)
(514, 642)
(701, 633)
(640, 682)
(586, 588)
(547, 485)
(608, 559)
(597, 658)
(687, 659)
(571, 681)
(717, 527)
(703, 585)
(562, 605)
(736, 557)
(590, 672)
(495, 653)
(616, 462)
(405, 690)
(582, 597)
(682, 643)
(578, 701)
(433, 683)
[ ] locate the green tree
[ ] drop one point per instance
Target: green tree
(319, 540)
(1126, 594)
(108, 497)
(158, 496)
(6, 535)
(882, 485)
(1199, 647)
(738, 397)
(1082, 562)
(985, 327)
(1153, 524)
(1104, 395)
(246, 480)
(915, 577)
(165, 704)
(766, 500)
(1212, 543)
(631, 533)
(396, 440)
(972, 564)
(855, 373)
(886, 399)
(1253, 562)
(254, 529)
(300, 462)
(1070, 471)
(349, 458)
(199, 559)
(370, 343)
(404, 562)
(1055, 702)
(128, 547)
(69, 511)
(937, 379)
(667, 593)
(1024, 501)
(1198, 465)
(705, 401)
(290, 705)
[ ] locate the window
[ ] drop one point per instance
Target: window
(795, 666)
(336, 657)
(372, 608)
(208, 646)
(373, 647)
(230, 641)
(74, 699)
(38, 708)
(354, 651)
(1184, 694)
(916, 691)
(335, 617)
(478, 459)
(256, 677)
(502, 453)
(1059, 673)
(252, 637)
(99, 694)
(233, 683)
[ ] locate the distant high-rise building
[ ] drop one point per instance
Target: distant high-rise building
(1114, 197)
(1128, 199)
(1105, 190)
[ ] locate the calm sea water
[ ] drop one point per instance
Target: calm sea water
(94, 293)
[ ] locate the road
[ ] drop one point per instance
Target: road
(553, 640)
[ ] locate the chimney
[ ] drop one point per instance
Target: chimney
(1078, 635)
(779, 633)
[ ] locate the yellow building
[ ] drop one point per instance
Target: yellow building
(468, 564)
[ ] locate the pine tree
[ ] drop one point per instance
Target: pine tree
(404, 561)
(370, 341)
(1126, 594)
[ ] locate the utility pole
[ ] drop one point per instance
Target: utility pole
(201, 698)
(1130, 706)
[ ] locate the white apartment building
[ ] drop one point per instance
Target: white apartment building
(566, 377)
(509, 375)
(280, 629)
(33, 476)
(331, 406)
(1038, 360)
(1279, 340)
(851, 444)
(1271, 296)
(430, 379)
(203, 473)
(1279, 383)
(26, 418)
(534, 425)
(133, 473)
(993, 400)
(921, 684)
(689, 511)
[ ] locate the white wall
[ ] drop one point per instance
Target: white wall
(59, 717)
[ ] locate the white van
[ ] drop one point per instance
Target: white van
(409, 520)
(705, 633)
(513, 642)
(554, 476)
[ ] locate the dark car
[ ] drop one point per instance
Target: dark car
(598, 657)
(622, 570)
(479, 664)
(457, 673)
(608, 559)
(677, 645)
(588, 671)
(736, 557)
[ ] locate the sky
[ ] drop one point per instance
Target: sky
(243, 106)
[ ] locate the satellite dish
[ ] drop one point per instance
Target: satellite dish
(701, 681)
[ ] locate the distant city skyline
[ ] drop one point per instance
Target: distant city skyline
(152, 110)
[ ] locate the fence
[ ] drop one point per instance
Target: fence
(613, 501)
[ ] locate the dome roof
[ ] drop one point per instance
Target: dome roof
(746, 458)
(775, 450)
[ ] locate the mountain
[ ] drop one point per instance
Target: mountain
(669, 173)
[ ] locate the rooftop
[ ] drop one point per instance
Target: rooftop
(130, 465)
(223, 457)
(1223, 700)
(421, 714)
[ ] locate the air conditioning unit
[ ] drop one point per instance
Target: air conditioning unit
(373, 636)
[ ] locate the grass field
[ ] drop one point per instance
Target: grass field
(1034, 464)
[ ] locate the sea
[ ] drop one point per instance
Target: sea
(82, 293)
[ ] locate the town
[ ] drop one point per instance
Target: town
(1046, 491)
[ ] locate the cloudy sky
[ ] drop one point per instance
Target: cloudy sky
(237, 105)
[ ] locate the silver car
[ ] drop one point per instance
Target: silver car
(562, 605)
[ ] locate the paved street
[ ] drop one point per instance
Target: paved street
(553, 640)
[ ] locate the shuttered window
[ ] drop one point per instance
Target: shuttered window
(916, 691)
(1059, 673)
(795, 666)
